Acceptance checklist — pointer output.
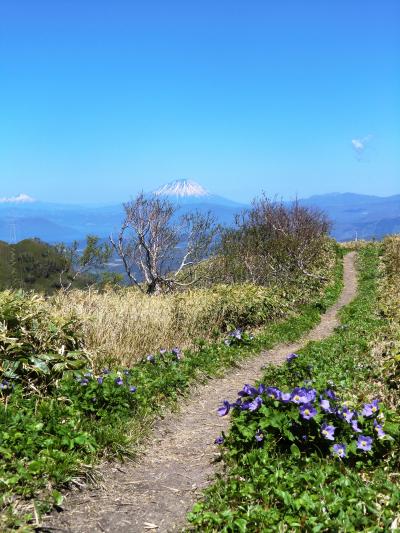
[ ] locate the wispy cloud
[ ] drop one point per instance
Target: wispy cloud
(359, 145)
(19, 199)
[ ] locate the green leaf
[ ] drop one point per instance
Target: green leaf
(57, 497)
(295, 451)
(241, 523)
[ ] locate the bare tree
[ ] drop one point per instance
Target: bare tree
(157, 247)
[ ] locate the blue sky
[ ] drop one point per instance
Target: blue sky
(100, 99)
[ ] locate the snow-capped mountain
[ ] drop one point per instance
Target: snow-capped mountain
(182, 189)
(186, 193)
(21, 198)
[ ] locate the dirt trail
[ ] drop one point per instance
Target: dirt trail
(156, 493)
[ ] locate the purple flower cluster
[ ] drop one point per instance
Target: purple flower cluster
(162, 356)
(310, 404)
(88, 377)
(237, 336)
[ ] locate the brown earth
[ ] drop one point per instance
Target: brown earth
(158, 491)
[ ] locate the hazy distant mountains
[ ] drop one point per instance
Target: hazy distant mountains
(352, 214)
(359, 215)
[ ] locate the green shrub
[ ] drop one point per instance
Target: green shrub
(36, 347)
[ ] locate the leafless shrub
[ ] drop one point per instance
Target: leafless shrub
(274, 243)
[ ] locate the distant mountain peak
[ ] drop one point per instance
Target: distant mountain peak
(21, 198)
(182, 188)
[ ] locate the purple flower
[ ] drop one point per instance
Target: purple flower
(119, 381)
(259, 435)
(84, 381)
(105, 371)
(163, 351)
(370, 409)
(88, 375)
(285, 397)
(273, 392)
(299, 395)
(219, 440)
(325, 406)
(291, 356)
(248, 391)
(237, 334)
(224, 409)
(330, 394)
(255, 404)
(354, 425)
(245, 406)
(261, 389)
(364, 443)
(379, 429)
(151, 359)
(100, 380)
(328, 431)
(339, 450)
(307, 411)
(132, 389)
(346, 414)
(311, 395)
(177, 353)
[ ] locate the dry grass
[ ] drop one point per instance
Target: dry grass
(354, 245)
(125, 325)
(121, 326)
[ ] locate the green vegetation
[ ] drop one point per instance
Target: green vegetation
(34, 265)
(387, 342)
(57, 421)
(283, 471)
(30, 264)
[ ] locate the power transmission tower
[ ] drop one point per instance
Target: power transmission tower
(12, 237)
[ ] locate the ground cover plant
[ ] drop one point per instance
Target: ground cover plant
(54, 427)
(315, 445)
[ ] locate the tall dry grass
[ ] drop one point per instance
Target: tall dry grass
(121, 326)
(124, 325)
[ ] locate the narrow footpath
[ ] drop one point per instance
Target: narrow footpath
(156, 493)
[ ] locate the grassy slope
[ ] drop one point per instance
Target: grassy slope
(266, 489)
(46, 441)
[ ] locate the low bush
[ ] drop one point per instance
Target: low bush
(36, 346)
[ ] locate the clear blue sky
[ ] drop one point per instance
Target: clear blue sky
(99, 99)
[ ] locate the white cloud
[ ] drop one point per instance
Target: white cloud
(19, 199)
(359, 145)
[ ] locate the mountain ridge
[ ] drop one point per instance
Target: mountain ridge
(366, 216)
